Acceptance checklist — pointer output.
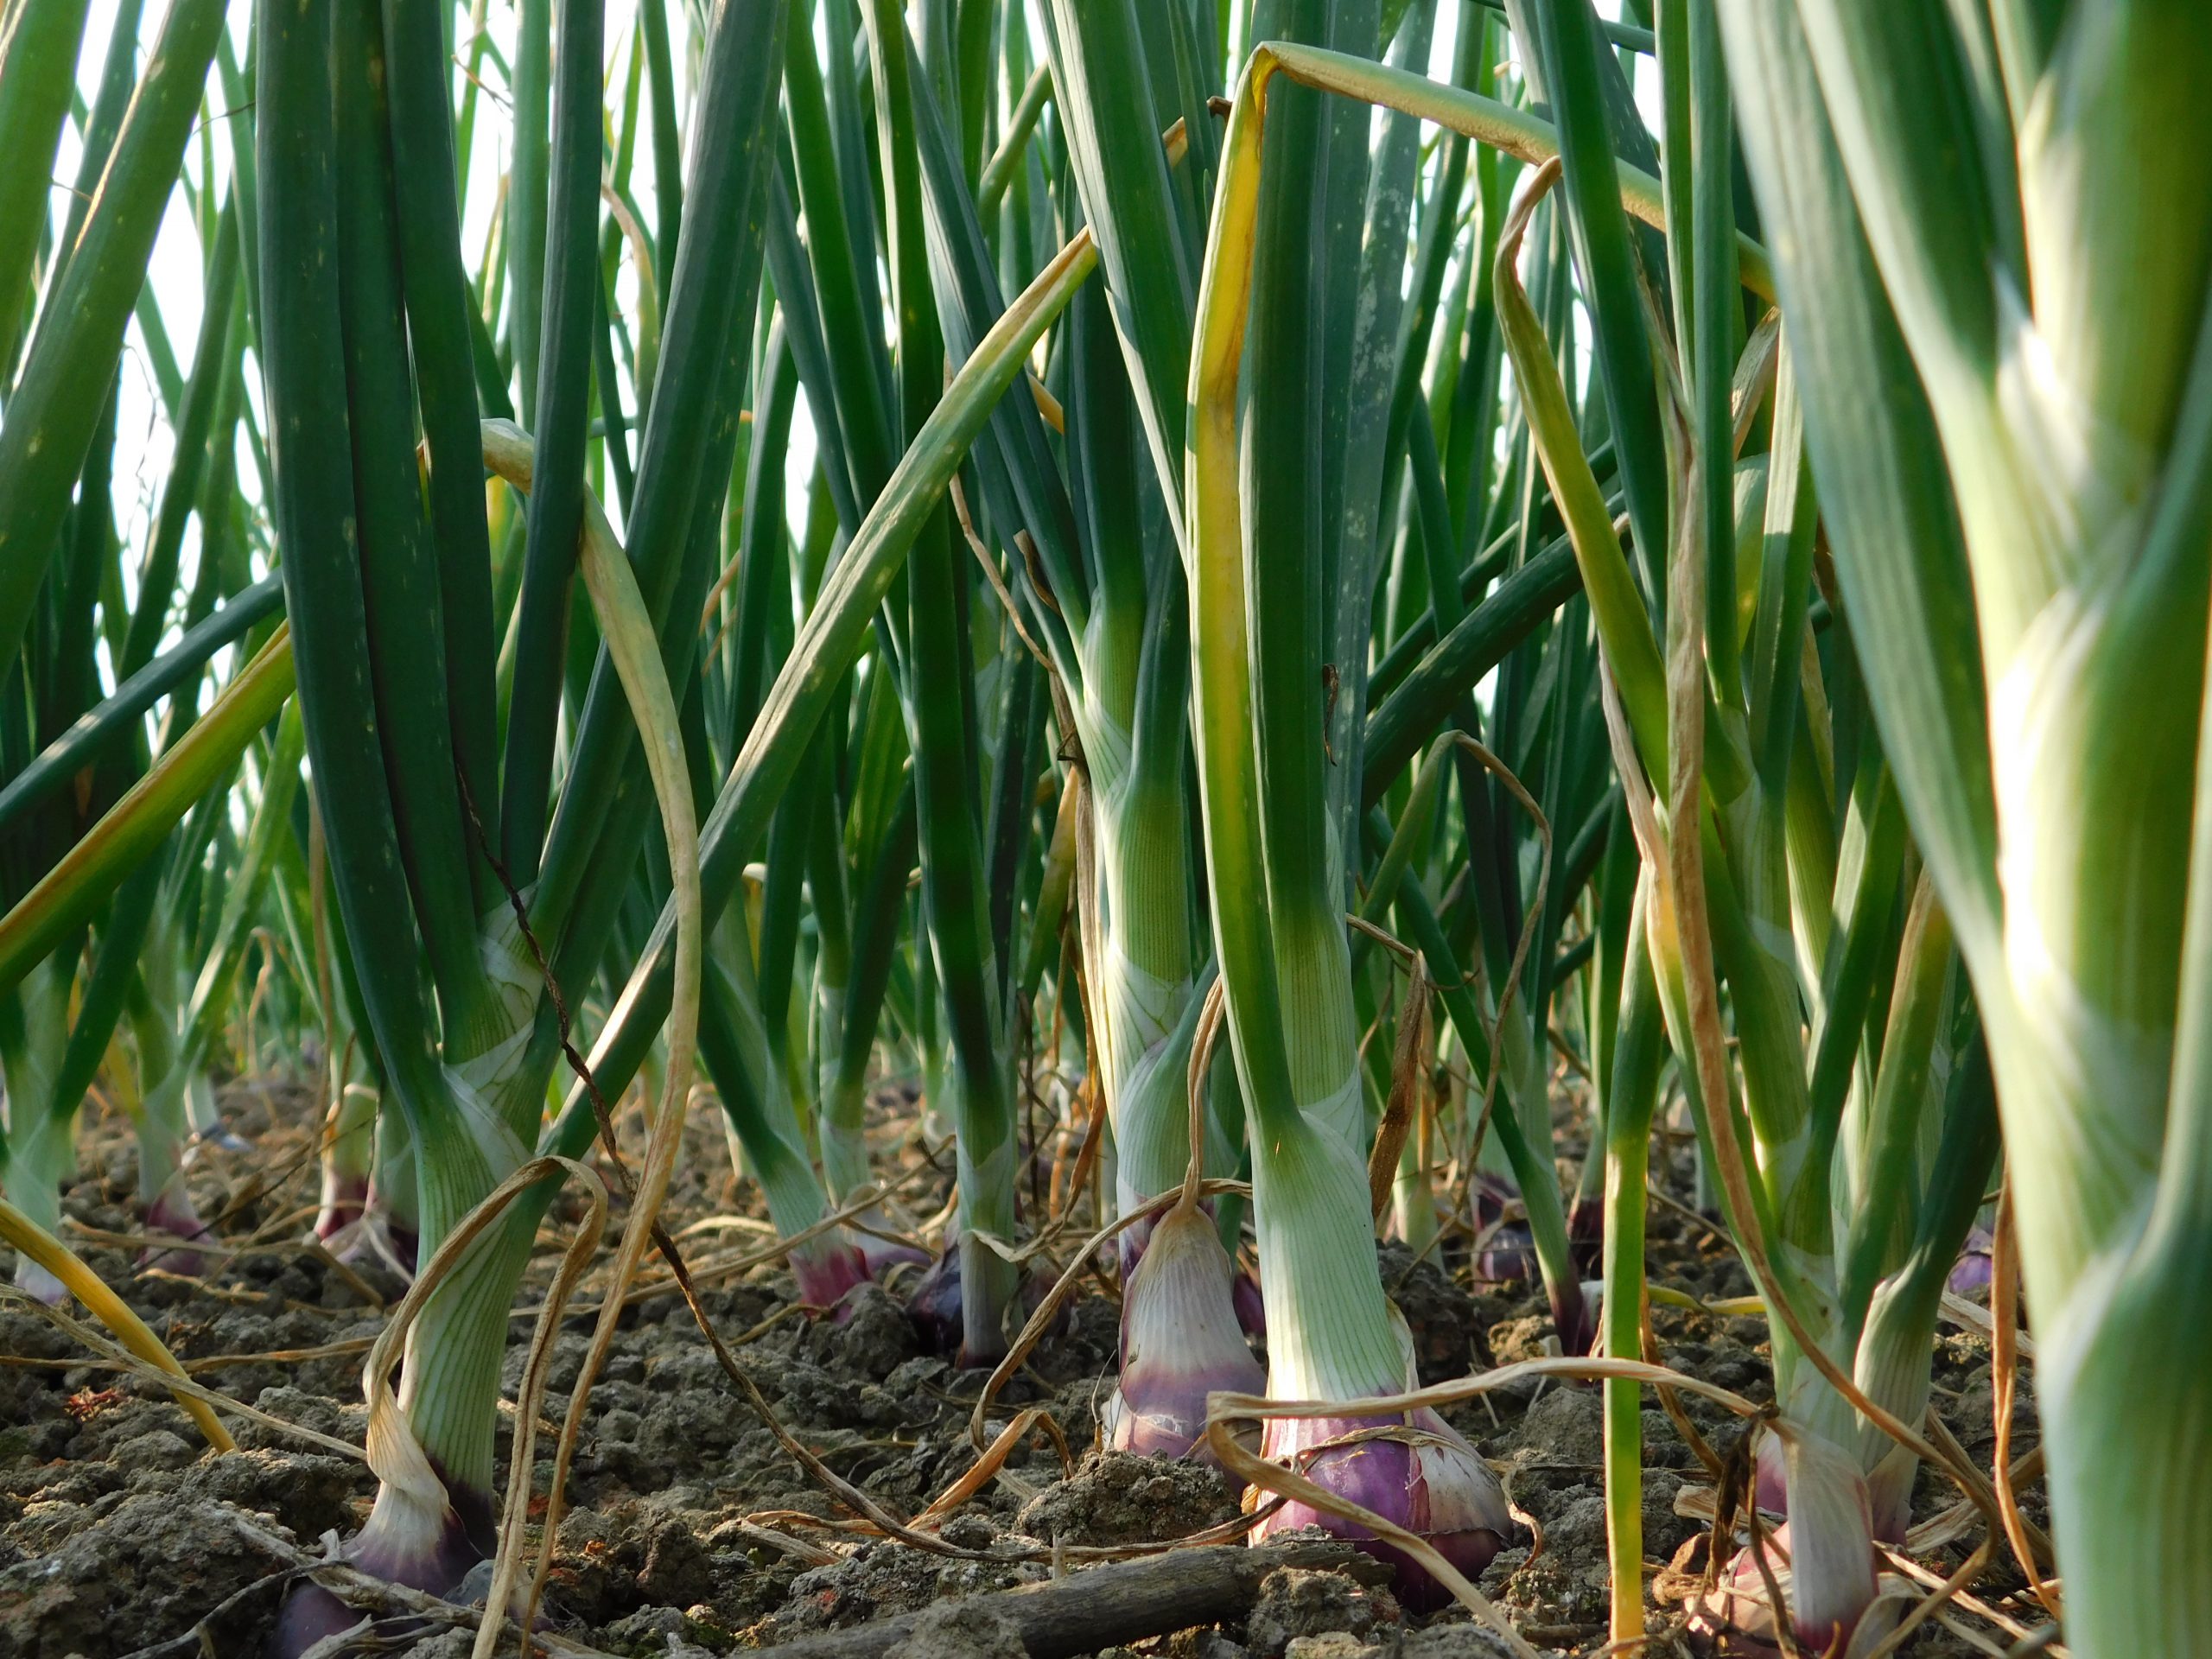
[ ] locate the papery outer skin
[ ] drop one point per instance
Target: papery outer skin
(36, 1281)
(511, 971)
(825, 1277)
(34, 1187)
(2083, 1084)
(478, 1089)
(934, 1304)
(162, 1136)
(1131, 1243)
(937, 1307)
(401, 1545)
(1971, 1276)
(450, 1379)
(1130, 1246)
(1507, 1251)
(1735, 1620)
(1147, 1101)
(1180, 1340)
(376, 1235)
(842, 1135)
(1412, 1216)
(1333, 1333)
(1586, 1233)
(1507, 1257)
(1251, 1306)
(829, 1032)
(1832, 1560)
(345, 1197)
(348, 1157)
(41, 1202)
(42, 1148)
(827, 1267)
(1488, 1194)
(1770, 1486)
(1140, 1003)
(207, 1119)
(1813, 1412)
(1572, 1318)
(881, 1255)
(1889, 1494)
(1893, 1368)
(1444, 1493)
(1319, 1269)
(173, 1213)
(989, 1284)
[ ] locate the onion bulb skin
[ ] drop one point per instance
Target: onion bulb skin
(1182, 1338)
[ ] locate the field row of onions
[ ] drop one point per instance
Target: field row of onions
(1241, 588)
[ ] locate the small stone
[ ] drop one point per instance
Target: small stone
(651, 1628)
(968, 1531)
(446, 1644)
(310, 1492)
(964, 1630)
(678, 1571)
(621, 1424)
(1453, 1641)
(1511, 1340)
(475, 1586)
(914, 1376)
(1293, 1601)
(1209, 1644)
(158, 1449)
(1565, 1427)
(1118, 1497)
(873, 1338)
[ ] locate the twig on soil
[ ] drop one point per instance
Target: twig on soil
(1222, 1532)
(1713, 1233)
(1032, 1420)
(769, 1538)
(195, 1640)
(1948, 1524)
(714, 1268)
(1108, 1605)
(1671, 1403)
(263, 1183)
(2004, 1379)
(123, 1359)
(1980, 1609)
(1778, 1607)
(204, 1242)
(356, 1589)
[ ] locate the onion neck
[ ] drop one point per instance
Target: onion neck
(1329, 1335)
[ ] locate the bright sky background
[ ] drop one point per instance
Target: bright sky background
(142, 454)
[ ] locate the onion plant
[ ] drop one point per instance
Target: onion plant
(1299, 520)
(1097, 569)
(361, 278)
(1850, 1221)
(469, 1075)
(2012, 277)
(1277, 827)
(86, 884)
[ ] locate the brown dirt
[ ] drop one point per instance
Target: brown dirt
(119, 1536)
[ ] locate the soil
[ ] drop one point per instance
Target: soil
(690, 1530)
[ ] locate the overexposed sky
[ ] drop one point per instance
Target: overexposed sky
(144, 439)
